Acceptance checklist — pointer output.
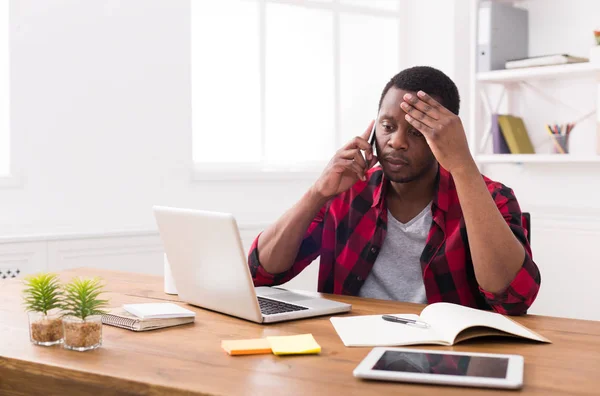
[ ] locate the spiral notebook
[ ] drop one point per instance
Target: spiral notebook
(119, 317)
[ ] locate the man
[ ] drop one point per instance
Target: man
(423, 227)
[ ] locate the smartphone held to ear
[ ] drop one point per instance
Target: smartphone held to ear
(372, 136)
(371, 142)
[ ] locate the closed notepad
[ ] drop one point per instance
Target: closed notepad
(294, 345)
(515, 134)
(119, 317)
(255, 346)
(158, 311)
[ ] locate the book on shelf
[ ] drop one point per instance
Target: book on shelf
(515, 134)
(498, 142)
(544, 60)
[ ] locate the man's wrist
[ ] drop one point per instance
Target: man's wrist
(316, 197)
(466, 172)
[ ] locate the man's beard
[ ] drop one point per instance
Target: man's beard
(431, 162)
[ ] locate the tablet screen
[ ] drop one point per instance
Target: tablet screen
(439, 363)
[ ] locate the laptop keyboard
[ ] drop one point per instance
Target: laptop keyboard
(271, 307)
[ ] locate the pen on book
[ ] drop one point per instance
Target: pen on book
(410, 322)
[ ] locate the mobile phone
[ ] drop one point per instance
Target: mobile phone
(372, 136)
(371, 141)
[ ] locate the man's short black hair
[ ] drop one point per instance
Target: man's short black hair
(430, 80)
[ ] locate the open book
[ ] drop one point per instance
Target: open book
(448, 324)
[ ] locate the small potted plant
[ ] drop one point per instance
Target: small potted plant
(42, 296)
(82, 309)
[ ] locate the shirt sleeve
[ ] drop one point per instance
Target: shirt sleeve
(310, 249)
(523, 289)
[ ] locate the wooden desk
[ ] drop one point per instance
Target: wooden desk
(189, 359)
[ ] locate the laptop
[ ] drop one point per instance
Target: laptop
(210, 270)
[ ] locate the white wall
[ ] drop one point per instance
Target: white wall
(101, 112)
(436, 34)
(101, 119)
(4, 93)
(102, 130)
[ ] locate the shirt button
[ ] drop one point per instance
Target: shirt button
(358, 278)
(373, 249)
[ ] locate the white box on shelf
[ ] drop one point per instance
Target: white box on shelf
(598, 113)
(595, 55)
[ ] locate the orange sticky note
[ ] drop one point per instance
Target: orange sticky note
(246, 347)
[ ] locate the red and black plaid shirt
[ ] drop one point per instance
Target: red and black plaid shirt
(350, 229)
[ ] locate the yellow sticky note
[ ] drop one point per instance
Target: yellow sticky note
(246, 347)
(294, 345)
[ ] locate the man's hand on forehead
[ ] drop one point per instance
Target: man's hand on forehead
(441, 128)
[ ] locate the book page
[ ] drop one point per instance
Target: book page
(372, 330)
(451, 319)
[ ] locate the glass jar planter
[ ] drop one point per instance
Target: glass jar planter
(45, 329)
(83, 335)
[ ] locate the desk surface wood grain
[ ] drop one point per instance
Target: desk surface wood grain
(189, 360)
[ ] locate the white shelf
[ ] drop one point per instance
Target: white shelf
(536, 158)
(574, 70)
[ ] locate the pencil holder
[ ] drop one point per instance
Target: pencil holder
(563, 142)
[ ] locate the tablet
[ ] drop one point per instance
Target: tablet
(442, 368)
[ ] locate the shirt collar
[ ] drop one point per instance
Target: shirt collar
(441, 196)
(380, 186)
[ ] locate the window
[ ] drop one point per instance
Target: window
(4, 93)
(279, 85)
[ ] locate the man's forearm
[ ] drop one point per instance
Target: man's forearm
(279, 244)
(497, 254)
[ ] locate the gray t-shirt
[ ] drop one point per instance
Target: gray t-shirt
(397, 273)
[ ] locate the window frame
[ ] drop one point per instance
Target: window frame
(306, 170)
